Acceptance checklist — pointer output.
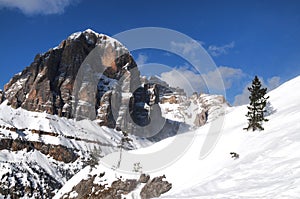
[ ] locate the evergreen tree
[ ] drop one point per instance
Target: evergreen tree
(256, 109)
(95, 155)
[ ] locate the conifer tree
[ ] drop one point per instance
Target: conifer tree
(95, 155)
(256, 109)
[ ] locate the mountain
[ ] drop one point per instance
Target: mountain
(41, 145)
(76, 103)
(267, 167)
(87, 76)
(52, 82)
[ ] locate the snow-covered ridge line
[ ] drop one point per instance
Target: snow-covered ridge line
(75, 35)
(100, 36)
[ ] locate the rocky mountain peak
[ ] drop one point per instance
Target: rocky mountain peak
(92, 38)
(91, 75)
(48, 83)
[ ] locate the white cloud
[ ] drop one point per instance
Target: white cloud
(228, 75)
(243, 98)
(31, 7)
(194, 53)
(141, 59)
(185, 79)
(220, 50)
(186, 48)
(215, 80)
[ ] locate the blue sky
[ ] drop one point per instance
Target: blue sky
(244, 38)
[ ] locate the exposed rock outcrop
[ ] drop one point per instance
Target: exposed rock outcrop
(201, 118)
(104, 115)
(118, 188)
(144, 178)
(155, 187)
(57, 152)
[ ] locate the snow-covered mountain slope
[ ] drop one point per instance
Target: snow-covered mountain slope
(52, 129)
(268, 164)
(39, 152)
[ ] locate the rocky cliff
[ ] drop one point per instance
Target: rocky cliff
(48, 84)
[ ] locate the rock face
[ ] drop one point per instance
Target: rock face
(119, 188)
(201, 118)
(48, 83)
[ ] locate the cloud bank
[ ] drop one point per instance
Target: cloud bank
(32, 7)
(186, 79)
(191, 82)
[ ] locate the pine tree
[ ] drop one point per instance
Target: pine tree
(95, 155)
(256, 109)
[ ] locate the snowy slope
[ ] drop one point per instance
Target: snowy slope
(40, 173)
(268, 167)
(81, 135)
